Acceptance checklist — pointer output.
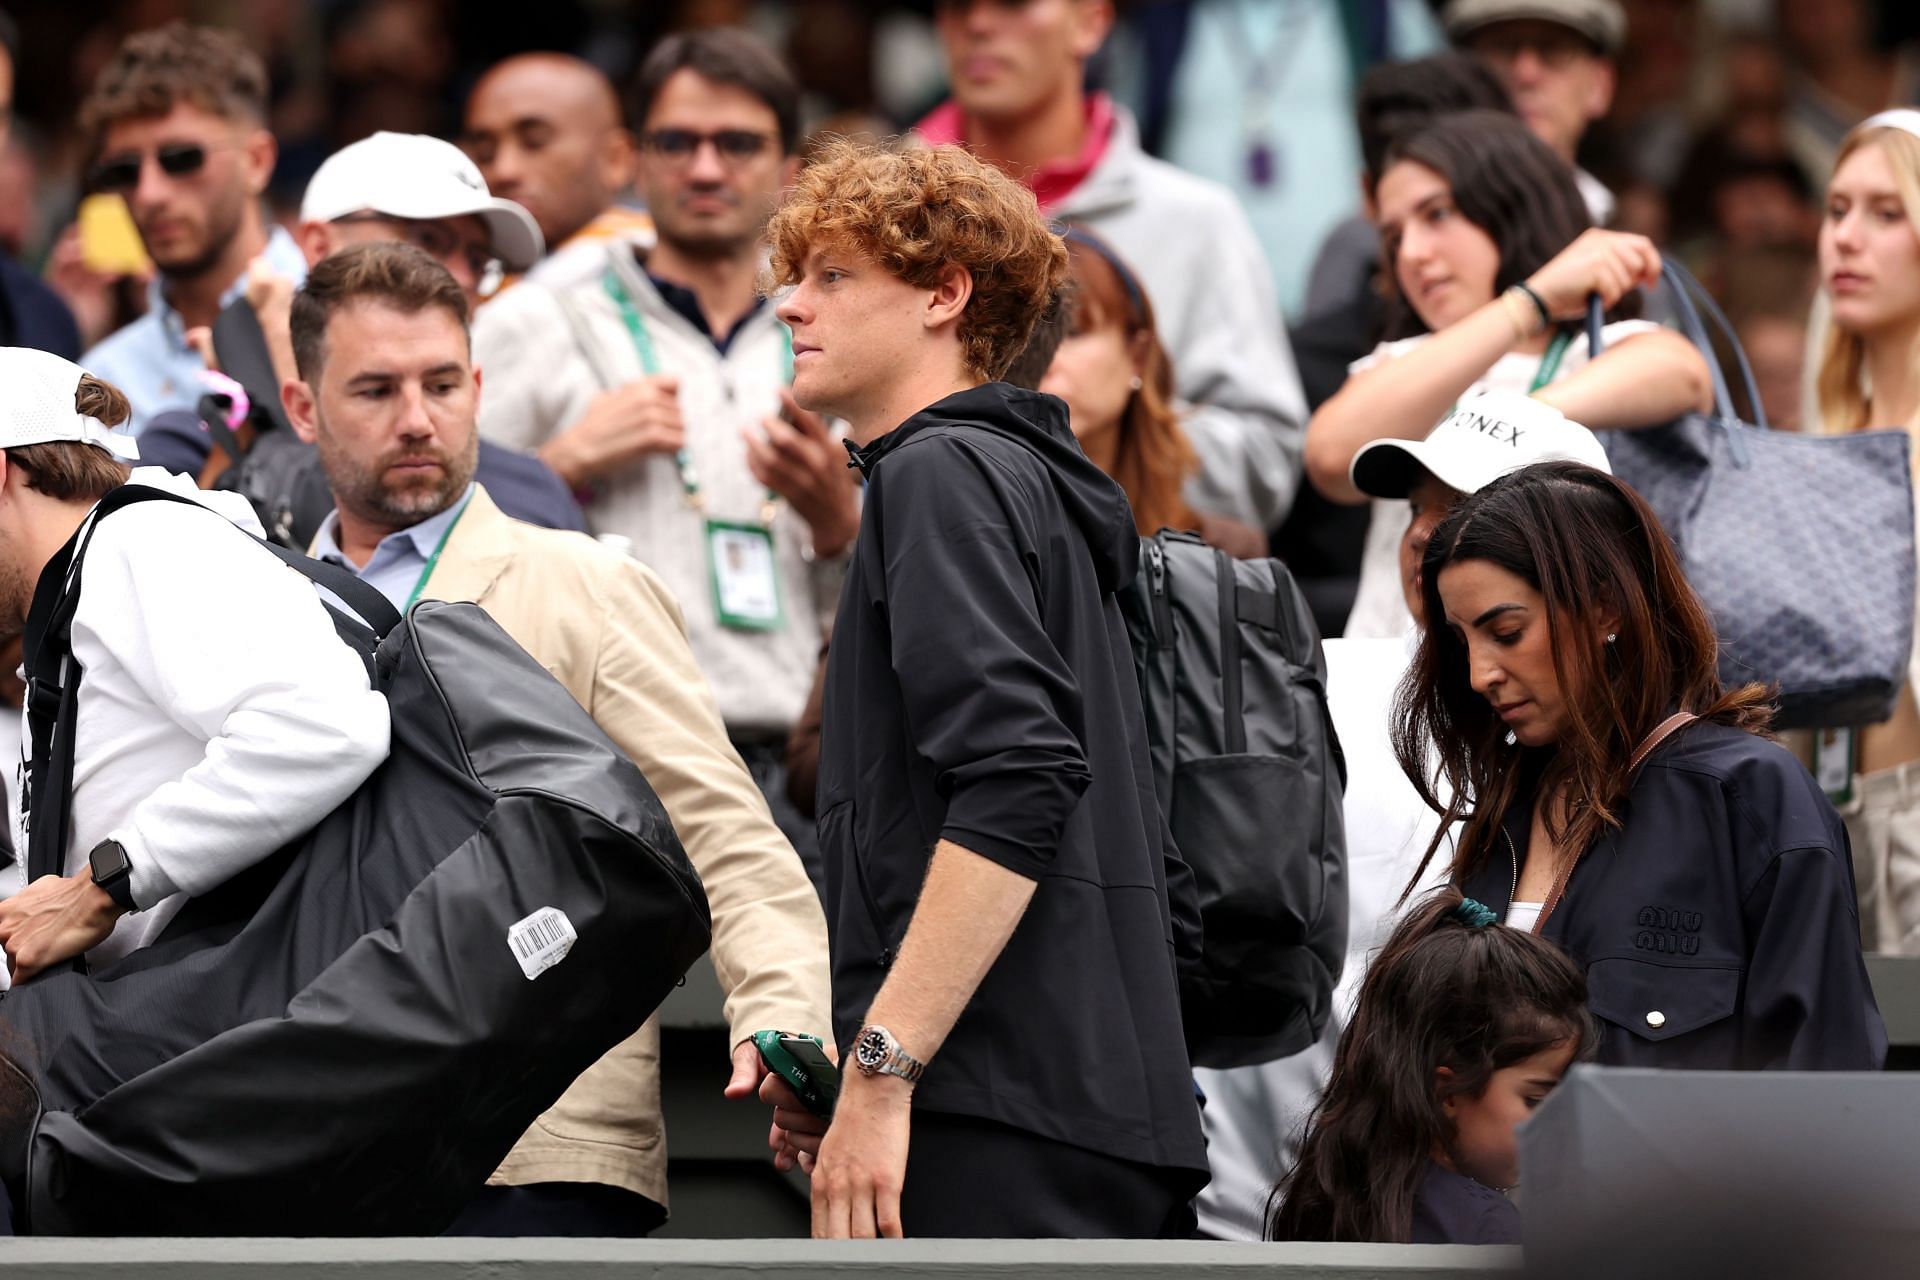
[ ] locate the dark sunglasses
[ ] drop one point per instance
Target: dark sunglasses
(122, 173)
(734, 145)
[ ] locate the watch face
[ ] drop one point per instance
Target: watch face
(871, 1050)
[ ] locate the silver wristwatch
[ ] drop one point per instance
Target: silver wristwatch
(876, 1052)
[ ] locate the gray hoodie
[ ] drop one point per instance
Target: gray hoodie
(1196, 254)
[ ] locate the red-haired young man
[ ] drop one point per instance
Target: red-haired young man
(996, 864)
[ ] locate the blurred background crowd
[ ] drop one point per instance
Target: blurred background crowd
(1714, 134)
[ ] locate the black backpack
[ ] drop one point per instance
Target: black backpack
(1250, 776)
(280, 474)
(349, 1036)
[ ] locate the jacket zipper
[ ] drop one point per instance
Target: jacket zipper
(873, 909)
(1553, 898)
(1513, 889)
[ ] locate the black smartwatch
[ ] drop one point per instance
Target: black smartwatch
(113, 872)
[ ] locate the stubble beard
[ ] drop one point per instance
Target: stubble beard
(222, 226)
(364, 489)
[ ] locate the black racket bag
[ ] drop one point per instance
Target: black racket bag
(347, 1038)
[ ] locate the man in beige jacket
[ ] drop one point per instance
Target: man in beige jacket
(388, 393)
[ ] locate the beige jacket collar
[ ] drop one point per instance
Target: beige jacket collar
(477, 553)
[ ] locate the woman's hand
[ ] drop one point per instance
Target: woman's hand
(1609, 263)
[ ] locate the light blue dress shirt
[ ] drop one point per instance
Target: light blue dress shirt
(400, 558)
(150, 359)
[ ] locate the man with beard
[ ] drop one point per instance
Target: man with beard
(659, 389)
(545, 129)
(219, 714)
(388, 393)
(176, 126)
(426, 192)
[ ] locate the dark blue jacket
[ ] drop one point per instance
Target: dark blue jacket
(1451, 1208)
(1718, 924)
(32, 315)
(981, 689)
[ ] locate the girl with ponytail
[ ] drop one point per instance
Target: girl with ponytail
(1462, 1027)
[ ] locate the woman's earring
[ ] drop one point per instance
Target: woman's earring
(1136, 384)
(1510, 738)
(1612, 636)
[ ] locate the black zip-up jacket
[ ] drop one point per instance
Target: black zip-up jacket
(980, 689)
(1718, 924)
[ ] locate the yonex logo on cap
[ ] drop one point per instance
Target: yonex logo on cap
(1495, 429)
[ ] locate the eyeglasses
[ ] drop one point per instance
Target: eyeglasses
(1556, 51)
(120, 174)
(735, 146)
(437, 242)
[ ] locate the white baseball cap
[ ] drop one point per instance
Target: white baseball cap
(1484, 438)
(409, 175)
(36, 405)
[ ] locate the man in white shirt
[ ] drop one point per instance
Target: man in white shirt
(659, 389)
(219, 714)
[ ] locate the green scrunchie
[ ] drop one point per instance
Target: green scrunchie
(1476, 915)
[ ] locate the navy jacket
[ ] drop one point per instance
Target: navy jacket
(32, 315)
(1717, 925)
(1451, 1208)
(981, 689)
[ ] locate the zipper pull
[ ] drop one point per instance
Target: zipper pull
(1157, 568)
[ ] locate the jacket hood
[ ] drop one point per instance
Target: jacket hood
(1038, 423)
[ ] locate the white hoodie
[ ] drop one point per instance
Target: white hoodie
(220, 714)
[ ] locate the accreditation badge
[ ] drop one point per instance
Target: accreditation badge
(746, 589)
(1835, 759)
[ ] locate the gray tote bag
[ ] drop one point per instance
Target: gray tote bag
(1801, 546)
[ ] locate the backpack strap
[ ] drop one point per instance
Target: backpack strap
(53, 676)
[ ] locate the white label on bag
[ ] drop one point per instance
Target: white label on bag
(542, 940)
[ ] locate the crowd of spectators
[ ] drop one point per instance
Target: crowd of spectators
(1317, 258)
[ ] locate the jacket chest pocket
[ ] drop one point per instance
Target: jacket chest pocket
(1657, 1002)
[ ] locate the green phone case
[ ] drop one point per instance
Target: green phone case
(817, 1089)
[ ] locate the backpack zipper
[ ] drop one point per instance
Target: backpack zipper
(1157, 588)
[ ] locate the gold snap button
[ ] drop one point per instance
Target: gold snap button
(1656, 1019)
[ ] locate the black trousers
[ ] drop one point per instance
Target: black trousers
(975, 1178)
(558, 1209)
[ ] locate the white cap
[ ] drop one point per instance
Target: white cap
(36, 405)
(409, 175)
(1484, 438)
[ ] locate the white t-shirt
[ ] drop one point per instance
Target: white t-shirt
(1524, 915)
(1380, 607)
(220, 715)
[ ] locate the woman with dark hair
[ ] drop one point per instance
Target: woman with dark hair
(1461, 1029)
(1565, 707)
(1493, 259)
(1117, 380)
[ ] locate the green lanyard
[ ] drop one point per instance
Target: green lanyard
(433, 560)
(650, 365)
(1550, 362)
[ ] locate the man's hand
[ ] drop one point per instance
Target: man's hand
(53, 920)
(620, 426)
(800, 460)
(863, 1162)
(796, 1132)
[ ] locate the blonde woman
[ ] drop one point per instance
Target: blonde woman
(1869, 376)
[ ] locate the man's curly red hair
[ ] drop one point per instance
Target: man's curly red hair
(915, 210)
